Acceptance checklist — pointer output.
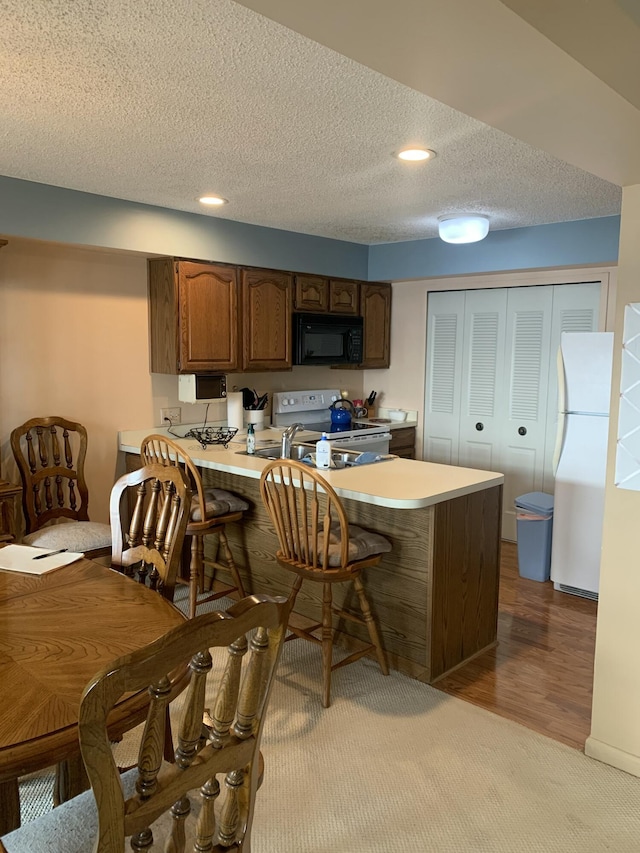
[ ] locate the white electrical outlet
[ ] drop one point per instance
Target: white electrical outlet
(172, 414)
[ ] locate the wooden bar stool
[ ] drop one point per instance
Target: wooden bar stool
(318, 544)
(211, 510)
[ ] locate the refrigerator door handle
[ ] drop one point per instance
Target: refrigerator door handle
(562, 382)
(559, 442)
(562, 408)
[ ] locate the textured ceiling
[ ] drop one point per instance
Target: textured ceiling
(161, 102)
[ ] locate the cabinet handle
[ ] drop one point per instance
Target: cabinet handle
(479, 426)
(522, 430)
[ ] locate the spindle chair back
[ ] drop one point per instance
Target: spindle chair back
(149, 511)
(318, 544)
(50, 454)
(211, 510)
(205, 799)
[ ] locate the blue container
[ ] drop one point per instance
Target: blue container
(534, 520)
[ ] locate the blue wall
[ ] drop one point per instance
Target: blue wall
(43, 212)
(587, 241)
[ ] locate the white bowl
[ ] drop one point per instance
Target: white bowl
(397, 414)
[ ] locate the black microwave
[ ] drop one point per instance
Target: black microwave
(327, 339)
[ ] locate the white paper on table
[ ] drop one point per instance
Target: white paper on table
(20, 558)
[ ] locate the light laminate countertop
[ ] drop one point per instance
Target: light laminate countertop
(397, 483)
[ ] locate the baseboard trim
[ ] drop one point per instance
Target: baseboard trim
(612, 755)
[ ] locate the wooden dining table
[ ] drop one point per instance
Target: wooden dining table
(57, 630)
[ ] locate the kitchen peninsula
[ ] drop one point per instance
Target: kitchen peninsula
(435, 595)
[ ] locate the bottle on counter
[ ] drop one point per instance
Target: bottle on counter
(323, 453)
(251, 440)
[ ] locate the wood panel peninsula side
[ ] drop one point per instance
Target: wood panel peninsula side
(435, 595)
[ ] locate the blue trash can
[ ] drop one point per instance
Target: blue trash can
(534, 521)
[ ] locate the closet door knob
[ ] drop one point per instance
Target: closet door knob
(479, 426)
(522, 430)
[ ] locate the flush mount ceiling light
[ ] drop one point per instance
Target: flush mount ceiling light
(212, 200)
(463, 227)
(416, 154)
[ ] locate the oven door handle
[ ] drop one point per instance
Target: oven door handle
(361, 439)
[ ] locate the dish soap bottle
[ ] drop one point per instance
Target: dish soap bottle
(251, 440)
(323, 453)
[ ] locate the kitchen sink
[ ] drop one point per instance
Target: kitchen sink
(272, 451)
(339, 458)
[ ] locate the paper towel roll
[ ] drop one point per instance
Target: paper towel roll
(235, 412)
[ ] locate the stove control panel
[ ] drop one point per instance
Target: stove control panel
(303, 401)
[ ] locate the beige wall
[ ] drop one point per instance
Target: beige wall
(74, 342)
(615, 725)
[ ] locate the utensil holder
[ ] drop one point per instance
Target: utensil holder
(255, 417)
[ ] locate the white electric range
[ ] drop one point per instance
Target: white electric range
(311, 408)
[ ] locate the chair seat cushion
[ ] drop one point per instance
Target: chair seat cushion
(73, 535)
(362, 543)
(72, 826)
(217, 502)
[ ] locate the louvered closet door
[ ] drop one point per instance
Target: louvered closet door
(576, 308)
(445, 330)
(524, 416)
(482, 379)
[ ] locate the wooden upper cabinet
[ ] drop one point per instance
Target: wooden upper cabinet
(343, 297)
(375, 306)
(311, 293)
(208, 317)
(324, 295)
(212, 318)
(266, 319)
(194, 317)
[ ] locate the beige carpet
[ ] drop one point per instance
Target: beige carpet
(395, 765)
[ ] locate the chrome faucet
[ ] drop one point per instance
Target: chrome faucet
(287, 438)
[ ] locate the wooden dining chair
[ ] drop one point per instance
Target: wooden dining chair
(50, 454)
(205, 799)
(211, 510)
(318, 544)
(149, 510)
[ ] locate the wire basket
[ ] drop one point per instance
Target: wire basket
(206, 436)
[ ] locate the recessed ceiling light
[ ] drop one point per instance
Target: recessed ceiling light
(212, 199)
(415, 154)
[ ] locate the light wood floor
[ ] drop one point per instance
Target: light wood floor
(541, 673)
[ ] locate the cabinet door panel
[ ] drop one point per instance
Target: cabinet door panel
(403, 442)
(375, 305)
(311, 293)
(208, 317)
(343, 297)
(266, 315)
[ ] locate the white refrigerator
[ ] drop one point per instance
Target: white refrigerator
(584, 393)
